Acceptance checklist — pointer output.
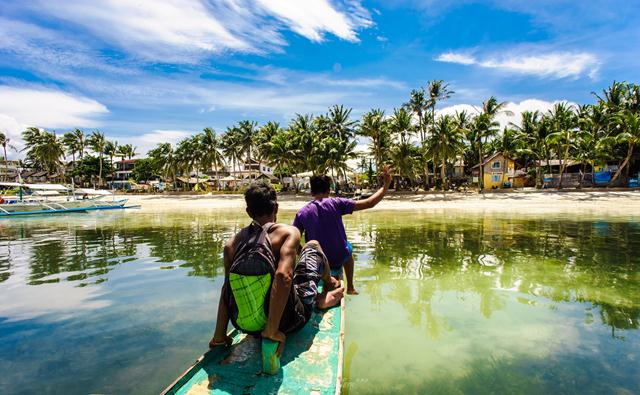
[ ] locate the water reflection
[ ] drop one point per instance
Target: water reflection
(561, 260)
(87, 250)
(450, 302)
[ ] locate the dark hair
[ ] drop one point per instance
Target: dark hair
(320, 184)
(261, 199)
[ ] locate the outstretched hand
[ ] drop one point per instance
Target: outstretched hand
(386, 175)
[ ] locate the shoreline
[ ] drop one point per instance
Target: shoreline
(525, 202)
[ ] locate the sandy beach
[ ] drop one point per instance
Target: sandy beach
(526, 202)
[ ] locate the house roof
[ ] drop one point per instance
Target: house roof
(192, 180)
(556, 162)
(492, 157)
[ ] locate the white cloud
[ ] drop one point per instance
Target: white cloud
(511, 113)
(150, 27)
(312, 18)
(551, 64)
(181, 31)
(49, 108)
(453, 57)
(24, 107)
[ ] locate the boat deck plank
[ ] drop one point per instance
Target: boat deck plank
(311, 363)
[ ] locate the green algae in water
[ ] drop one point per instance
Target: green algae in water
(450, 302)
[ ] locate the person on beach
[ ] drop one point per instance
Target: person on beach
(265, 293)
(321, 220)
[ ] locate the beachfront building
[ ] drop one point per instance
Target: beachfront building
(253, 170)
(124, 169)
(498, 171)
(458, 168)
(9, 170)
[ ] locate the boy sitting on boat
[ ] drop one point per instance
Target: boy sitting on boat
(321, 220)
(265, 292)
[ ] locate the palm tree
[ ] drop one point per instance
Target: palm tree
(532, 137)
(127, 151)
(339, 123)
(486, 127)
(246, 137)
(111, 149)
(417, 105)
(629, 123)
(72, 145)
(562, 120)
(230, 145)
(304, 129)
(98, 143)
(446, 142)
(80, 143)
(400, 125)
(5, 142)
(376, 127)
(44, 149)
(404, 157)
(281, 149)
(211, 152)
(267, 132)
(164, 159)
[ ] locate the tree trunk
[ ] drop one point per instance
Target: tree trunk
(443, 175)
(582, 171)
(539, 176)
(100, 172)
(624, 164)
(480, 168)
(504, 170)
(6, 163)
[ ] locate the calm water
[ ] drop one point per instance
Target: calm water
(450, 303)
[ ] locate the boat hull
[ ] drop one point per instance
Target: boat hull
(311, 363)
(12, 210)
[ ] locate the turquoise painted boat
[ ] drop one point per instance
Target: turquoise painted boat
(311, 363)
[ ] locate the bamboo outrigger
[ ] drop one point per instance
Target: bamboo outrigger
(311, 363)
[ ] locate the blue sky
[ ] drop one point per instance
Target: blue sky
(145, 72)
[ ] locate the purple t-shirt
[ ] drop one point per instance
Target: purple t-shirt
(321, 220)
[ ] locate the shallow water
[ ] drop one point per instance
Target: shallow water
(451, 302)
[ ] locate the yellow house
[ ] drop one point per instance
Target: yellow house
(497, 170)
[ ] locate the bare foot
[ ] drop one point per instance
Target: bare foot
(330, 298)
(352, 291)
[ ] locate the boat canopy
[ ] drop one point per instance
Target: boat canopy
(46, 193)
(38, 187)
(91, 191)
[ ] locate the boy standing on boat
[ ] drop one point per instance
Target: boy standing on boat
(321, 220)
(265, 292)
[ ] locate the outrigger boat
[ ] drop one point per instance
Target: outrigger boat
(38, 199)
(310, 364)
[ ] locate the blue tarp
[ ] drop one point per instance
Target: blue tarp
(602, 177)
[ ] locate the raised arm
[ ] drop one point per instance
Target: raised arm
(374, 199)
(281, 285)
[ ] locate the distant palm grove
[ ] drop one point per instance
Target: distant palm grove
(421, 145)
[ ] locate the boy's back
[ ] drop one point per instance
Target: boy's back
(321, 220)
